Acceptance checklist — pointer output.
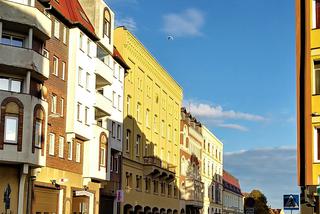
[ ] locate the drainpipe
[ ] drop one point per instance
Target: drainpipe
(30, 36)
(23, 176)
(302, 97)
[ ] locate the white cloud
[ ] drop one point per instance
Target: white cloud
(128, 22)
(217, 112)
(272, 170)
(186, 23)
(234, 126)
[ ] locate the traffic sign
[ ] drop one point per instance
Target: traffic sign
(291, 202)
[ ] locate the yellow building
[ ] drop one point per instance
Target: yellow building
(212, 172)
(308, 101)
(152, 101)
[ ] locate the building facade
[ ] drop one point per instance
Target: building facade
(212, 172)
(191, 185)
(152, 101)
(23, 99)
(232, 196)
(308, 90)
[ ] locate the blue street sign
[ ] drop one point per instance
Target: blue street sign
(291, 202)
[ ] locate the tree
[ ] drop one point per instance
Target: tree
(260, 202)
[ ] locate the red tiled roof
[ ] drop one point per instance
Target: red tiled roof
(74, 13)
(231, 179)
(117, 56)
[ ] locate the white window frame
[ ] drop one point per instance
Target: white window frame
(52, 138)
(119, 132)
(70, 150)
(61, 107)
(55, 66)
(54, 103)
(64, 38)
(38, 134)
(5, 130)
(78, 152)
(114, 99)
(86, 115)
(137, 147)
(113, 129)
(128, 133)
(314, 14)
(80, 76)
(128, 105)
(88, 77)
(61, 147)
(63, 72)
(81, 41)
(56, 32)
(79, 111)
(102, 156)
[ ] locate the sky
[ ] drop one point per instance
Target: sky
(235, 61)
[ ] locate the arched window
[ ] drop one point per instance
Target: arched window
(11, 122)
(107, 23)
(38, 127)
(103, 150)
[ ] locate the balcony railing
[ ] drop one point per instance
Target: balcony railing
(25, 59)
(26, 15)
(156, 161)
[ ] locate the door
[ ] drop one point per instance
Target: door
(45, 201)
(80, 205)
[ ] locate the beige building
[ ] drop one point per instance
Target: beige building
(212, 172)
(152, 101)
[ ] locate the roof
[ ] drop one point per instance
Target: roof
(230, 182)
(74, 13)
(117, 56)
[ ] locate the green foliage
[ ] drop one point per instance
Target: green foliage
(260, 202)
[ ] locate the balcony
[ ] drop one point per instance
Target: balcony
(103, 106)
(26, 15)
(24, 58)
(9, 154)
(104, 74)
(193, 192)
(155, 167)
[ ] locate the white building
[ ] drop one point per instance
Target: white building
(212, 169)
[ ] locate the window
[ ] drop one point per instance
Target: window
(147, 118)
(155, 120)
(56, 31)
(81, 41)
(114, 99)
(12, 40)
(119, 132)
(316, 14)
(115, 163)
(38, 133)
(80, 76)
(128, 140)
(11, 129)
(107, 23)
(138, 182)
(51, 143)
(86, 119)
(54, 103)
(78, 152)
(155, 186)
(8, 84)
(128, 105)
(113, 129)
(163, 188)
(102, 156)
(162, 128)
(147, 184)
(317, 144)
(316, 67)
(89, 47)
(169, 190)
(61, 107)
(138, 142)
(63, 72)
(79, 106)
(146, 149)
(64, 31)
(55, 65)
(61, 146)
(128, 180)
(70, 150)
(119, 102)
(138, 112)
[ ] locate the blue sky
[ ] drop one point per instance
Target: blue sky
(235, 61)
